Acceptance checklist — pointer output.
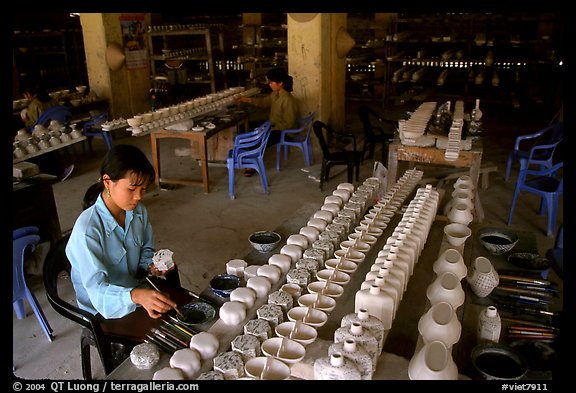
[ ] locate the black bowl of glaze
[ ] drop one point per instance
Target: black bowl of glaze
(196, 313)
(498, 241)
(223, 284)
(264, 241)
(500, 362)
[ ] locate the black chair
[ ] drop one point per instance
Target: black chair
(93, 128)
(377, 130)
(337, 149)
(112, 350)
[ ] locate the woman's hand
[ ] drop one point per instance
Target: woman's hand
(156, 303)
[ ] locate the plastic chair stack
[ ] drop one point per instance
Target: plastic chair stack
(24, 242)
(248, 152)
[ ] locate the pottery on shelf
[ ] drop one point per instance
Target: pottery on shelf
(482, 277)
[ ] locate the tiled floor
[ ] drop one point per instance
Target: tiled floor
(205, 231)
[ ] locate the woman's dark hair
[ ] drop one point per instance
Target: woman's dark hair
(121, 161)
(281, 75)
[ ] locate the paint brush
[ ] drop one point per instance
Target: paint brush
(156, 288)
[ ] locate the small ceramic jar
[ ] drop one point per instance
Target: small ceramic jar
(310, 264)
(232, 312)
(236, 267)
(293, 251)
(206, 344)
(310, 232)
(282, 299)
(271, 272)
(300, 277)
(282, 261)
(168, 374)
(260, 285)
(325, 215)
(210, 376)
(247, 345)
(230, 364)
(244, 295)
(187, 360)
(271, 313)
(259, 328)
(299, 240)
(313, 253)
(331, 236)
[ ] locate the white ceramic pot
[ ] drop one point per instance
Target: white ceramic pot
(244, 295)
(299, 240)
(271, 272)
(457, 234)
(206, 344)
(282, 261)
(260, 285)
(440, 323)
(460, 213)
(433, 362)
(293, 251)
(187, 360)
(232, 312)
(236, 267)
(450, 261)
(446, 288)
(312, 233)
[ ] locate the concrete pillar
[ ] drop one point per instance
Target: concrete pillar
(319, 73)
(128, 91)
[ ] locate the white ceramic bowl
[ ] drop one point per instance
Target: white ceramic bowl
(343, 264)
(284, 349)
(317, 301)
(264, 367)
(352, 254)
(366, 238)
(456, 233)
(297, 331)
(359, 245)
(335, 276)
(134, 121)
(369, 229)
(309, 315)
(326, 288)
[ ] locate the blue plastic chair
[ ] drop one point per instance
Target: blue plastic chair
(248, 152)
(92, 129)
(548, 184)
(59, 113)
(24, 241)
(297, 137)
(541, 152)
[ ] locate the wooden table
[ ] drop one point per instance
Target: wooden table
(223, 137)
(435, 156)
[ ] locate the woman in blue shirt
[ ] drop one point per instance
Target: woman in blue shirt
(111, 245)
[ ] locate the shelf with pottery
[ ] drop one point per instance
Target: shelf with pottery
(69, 142)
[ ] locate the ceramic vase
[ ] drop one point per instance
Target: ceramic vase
(482, 277)
(335, 367)
(446, 288)
(460, 213)
(440, 323)
(450, 261)
(362, 337)
(378, 303)
(489, 325)
(368, 322)
(433, 362)
(357, 354)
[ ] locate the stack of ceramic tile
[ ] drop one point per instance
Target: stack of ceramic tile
(455, 134)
